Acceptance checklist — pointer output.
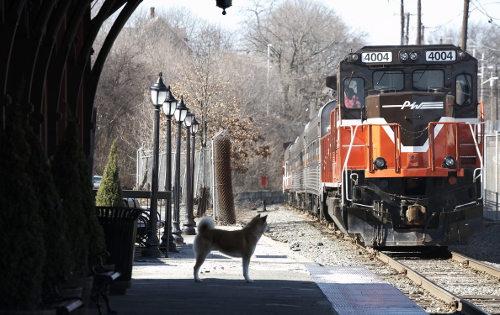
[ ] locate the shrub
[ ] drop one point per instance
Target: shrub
(109, 192)
(97, 246)
(66, 176)
(73, 180)
(57, 265)
(21, 227)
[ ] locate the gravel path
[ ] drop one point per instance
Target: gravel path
(315, 241)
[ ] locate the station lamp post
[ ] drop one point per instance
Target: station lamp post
(169, 107)
(180, 114)
(189, 225)
(194, 129)
(158, 95)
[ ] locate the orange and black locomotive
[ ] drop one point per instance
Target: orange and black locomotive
(396, 157)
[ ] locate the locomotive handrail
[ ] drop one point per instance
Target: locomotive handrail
(397, 145)
(455, 130)
(477, 147)
(344, 167)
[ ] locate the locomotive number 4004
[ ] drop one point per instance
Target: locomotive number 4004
(440, 55)
(376, 56)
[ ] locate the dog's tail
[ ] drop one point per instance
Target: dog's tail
(205, 224)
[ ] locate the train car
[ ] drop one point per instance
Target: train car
(401, 160)
(309, 195)
(294, 172)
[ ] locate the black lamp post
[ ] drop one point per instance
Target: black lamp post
(158, 96)
(169, 108)
(194, 129)
(190, 224)
(179, 115)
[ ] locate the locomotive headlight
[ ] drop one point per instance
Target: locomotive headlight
(413, 56)
(449, 162)
(403, 56)
(354, 57)
(380, 163)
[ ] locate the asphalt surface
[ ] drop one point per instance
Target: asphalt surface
(282, 285)
(285, 282)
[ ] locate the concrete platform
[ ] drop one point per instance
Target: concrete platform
(284, 283)
(356, 290)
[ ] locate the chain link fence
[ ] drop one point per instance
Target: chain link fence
(492, 176)
(222, 180)
(202, 170)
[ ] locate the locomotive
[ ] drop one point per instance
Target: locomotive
(395, 158)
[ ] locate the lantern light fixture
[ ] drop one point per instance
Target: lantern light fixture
(181, 111)
(158, 91)
(170, 104)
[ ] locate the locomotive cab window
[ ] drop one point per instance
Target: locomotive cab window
(463, 89)
(354, 93)
(325, 117)
(388, 80)
(428, 80)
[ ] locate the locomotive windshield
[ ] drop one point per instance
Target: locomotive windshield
(428, 80)
(388, 80)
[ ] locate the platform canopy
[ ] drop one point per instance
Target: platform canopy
(46, 69)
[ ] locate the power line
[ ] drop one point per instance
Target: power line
(483, 10)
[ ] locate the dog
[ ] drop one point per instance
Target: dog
(239, 243)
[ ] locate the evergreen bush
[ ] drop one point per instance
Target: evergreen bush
(73, 181)
(66, 177)
(97, 245)
(109, 192)
(58, 264)
(21, 227)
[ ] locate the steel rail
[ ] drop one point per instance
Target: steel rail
(476, 264)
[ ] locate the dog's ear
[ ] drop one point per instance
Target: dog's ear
(254, 219)
(264, 218)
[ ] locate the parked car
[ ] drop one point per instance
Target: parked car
(96, 181)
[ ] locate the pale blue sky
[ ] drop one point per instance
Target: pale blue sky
(379, 19)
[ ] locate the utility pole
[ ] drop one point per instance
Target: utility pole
(481, 90)
(419, 22)
(407, 35)
(402, 22)
(494, 97)
(422, 36)
(267, 77)
(464, 25)
(497, 116)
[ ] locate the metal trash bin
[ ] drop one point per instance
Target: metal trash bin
(119, 225)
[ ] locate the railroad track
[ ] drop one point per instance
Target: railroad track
(467, 285)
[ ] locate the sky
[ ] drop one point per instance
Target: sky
(378, 19)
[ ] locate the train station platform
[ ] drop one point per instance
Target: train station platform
(284, 283)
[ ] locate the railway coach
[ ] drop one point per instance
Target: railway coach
(396, 157)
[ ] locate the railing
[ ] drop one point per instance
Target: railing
(141, 199)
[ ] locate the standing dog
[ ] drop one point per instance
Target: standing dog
(240, 243)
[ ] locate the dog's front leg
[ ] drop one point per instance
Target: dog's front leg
(246, 263)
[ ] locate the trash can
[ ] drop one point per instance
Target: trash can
(119, 225)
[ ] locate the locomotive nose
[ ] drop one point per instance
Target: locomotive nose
(413, 111)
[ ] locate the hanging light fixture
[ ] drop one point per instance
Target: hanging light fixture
(224, 4)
